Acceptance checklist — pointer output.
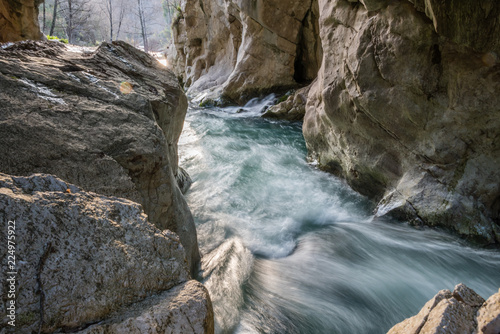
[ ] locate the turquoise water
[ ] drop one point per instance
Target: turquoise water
(290, 249)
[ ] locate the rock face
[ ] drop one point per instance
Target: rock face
(405, 104)
(19, 20)
(405, 107)
(462, 311)
(81, 256)
(108, 122)
(238, 49)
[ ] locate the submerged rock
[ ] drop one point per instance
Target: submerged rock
(108, 122)
(405, 107)
(462, 311)
(81, 256)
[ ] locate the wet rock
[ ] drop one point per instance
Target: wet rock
(82, 256)
(107, 122)
(407, 111)
(240, 49)
(292, 109)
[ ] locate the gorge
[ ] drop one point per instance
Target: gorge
(315, 226)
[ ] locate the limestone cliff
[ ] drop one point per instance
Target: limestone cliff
(406, 108)
(239, 49)
(107, 121)
(405, 104)
(19, 20)
(81, 257)
(460, 311)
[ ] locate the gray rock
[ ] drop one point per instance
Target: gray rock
(409, 116)
(292, 109)
(239, 49)
(82, 256)
(183, 309)
(108, 122)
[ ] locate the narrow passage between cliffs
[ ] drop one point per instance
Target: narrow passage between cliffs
(287, 248)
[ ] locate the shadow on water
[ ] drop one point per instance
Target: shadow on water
(290, 249)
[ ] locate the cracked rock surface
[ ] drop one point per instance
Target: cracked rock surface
(107, 121)
(81, 257)
(462, 311)
(405, 108)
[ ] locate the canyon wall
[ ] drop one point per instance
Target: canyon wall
(404, 106)
(19, 20)
(240, 49)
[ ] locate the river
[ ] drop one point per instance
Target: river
(287, 248)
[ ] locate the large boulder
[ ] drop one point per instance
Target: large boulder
(108, 122)
(80, 256)
(238, 49)
(462, 311)
(19, 20)
(405, 107)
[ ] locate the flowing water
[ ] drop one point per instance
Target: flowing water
(290, 249)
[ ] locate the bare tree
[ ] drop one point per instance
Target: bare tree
(54, 18)
(43, 25)
(109, 8)
(143, 25)
(76, 14)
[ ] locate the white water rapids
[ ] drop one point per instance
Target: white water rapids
(290, 249)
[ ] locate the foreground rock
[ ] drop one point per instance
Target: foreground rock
(19, 20)
(81, 256)
(108, 122)
(462, 311)
(240, 49)
(405, 107)
(183, 309)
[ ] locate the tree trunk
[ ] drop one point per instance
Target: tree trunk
(143, 26)
(54, 17)
(43, 23)
(69, 30)
(110, 10)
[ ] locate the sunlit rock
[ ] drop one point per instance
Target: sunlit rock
(107, 121)
(462, 311)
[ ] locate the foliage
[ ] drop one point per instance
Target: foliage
(55, 38)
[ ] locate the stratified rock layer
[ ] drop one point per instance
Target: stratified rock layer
(462, 311)
(108, 122)
(80, 256)
(406, 108)
(19, 20)
(238, 49)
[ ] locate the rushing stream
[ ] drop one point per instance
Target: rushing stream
(290, 249)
